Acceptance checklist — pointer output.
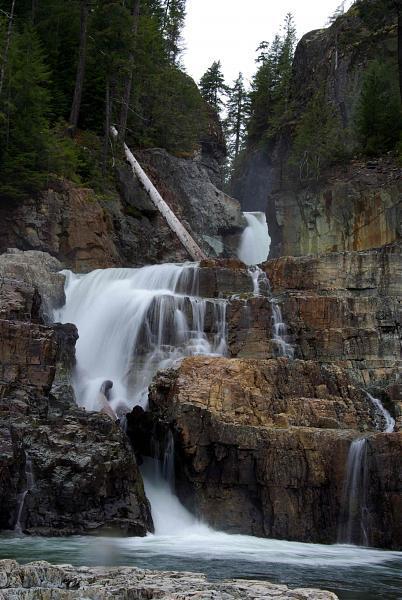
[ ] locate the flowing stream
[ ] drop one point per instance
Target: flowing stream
(255, 241)
(132, 322)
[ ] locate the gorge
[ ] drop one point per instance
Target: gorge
(204, 399)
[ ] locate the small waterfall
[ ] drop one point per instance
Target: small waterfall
(354, 515)
(255, 241)
(133, 322)
(354, 525)
(280, 332)
(30, 484)
(385, 422)
(262, 286)
(169, 515)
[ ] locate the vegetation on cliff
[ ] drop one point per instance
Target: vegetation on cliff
(68, 70)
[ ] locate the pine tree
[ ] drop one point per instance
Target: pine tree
(81, 64)
(113, 46)
(175, 14)
(237, 112)
(28, 150)
(379, 117)
(212, 86)
(270, 96)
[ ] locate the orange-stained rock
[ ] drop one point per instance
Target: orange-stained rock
(261, 446)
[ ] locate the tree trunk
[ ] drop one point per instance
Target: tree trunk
(175, 225)
(7, 46)
(107, 127)
(125, 100)
(79, 81)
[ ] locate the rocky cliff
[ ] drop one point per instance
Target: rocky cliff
(262, 442)
(353, 205)
(345, 308)
(121, 227)
(262, 445)
(62, 470)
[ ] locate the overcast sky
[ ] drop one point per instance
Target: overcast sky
(230, 30)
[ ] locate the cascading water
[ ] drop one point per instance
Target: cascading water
(262, 286)
(255, 241)
(354, 517)
(354, 525)
(30, 484)
(280, 332)
(385, 422)
(133, 322)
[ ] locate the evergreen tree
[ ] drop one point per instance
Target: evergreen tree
(319, 139)
(212, 86)
(175, 14)
(237, 112)
(113, 47)
(379, 117)
(270, 96)
(28, 149)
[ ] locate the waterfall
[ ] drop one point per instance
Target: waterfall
(262, 286)
(384, 422)
(280, 331)
(30, 484)
(255, 241)
(354, 515)
(133, 322)
(354, 525)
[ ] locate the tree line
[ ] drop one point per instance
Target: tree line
(255, 115)
(68, 70)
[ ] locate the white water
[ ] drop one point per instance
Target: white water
(133, 322)
(281, 332)
(355, 526)
(255, 241)
(354, 516)
(262, 286)
(386, 422)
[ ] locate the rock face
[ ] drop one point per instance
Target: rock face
(62, 470)
(261, 447)
(345, 308)
(189, 187)
(128, 583)
(356, 206)
(123, 228)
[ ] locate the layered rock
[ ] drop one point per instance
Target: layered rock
(67, 582)
(344, 308)
(62, 470)
(261, 446)
(353, 205)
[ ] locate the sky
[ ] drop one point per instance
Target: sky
(231, 30)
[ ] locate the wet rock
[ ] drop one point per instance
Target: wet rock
(67, 582)
(344, 308)
(262, 445)
(62, 470)
(31, 285)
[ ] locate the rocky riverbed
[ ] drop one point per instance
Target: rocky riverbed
(49, 582)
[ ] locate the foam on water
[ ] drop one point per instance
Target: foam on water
(255, 241)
